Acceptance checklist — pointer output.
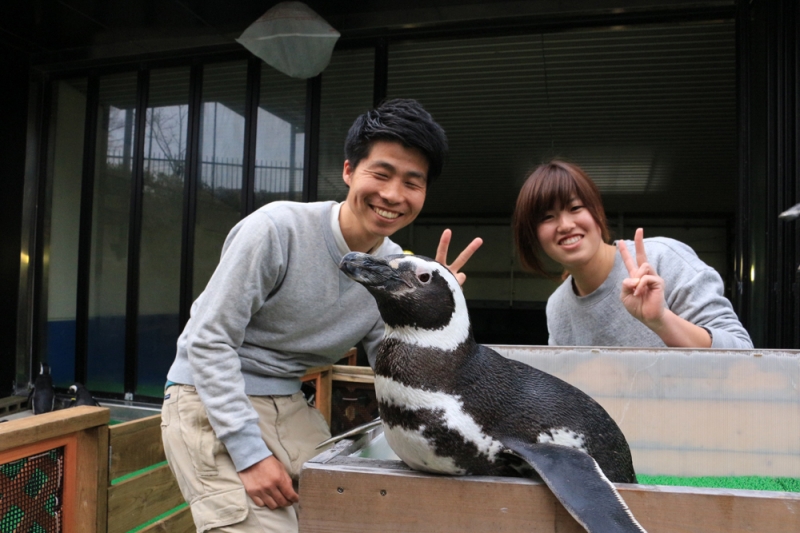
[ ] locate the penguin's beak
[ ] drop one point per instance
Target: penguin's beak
(370, 271)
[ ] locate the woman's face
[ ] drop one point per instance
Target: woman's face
(569, 234)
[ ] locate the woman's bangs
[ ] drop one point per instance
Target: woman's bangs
(556, 190)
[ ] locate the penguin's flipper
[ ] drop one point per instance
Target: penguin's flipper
(356, 431)
(579, 484)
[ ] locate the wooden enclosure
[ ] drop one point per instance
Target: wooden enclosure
(344, 494)
(684, 412)
(116, 476)
(719, 413)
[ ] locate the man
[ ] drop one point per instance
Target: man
(235, 427)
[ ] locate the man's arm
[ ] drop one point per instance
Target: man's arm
(249, 267)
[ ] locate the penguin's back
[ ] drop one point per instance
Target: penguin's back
(447, 411)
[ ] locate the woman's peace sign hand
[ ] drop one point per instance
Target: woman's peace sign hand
(643, 290)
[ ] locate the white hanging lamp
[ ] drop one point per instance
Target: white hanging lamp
(292, 38)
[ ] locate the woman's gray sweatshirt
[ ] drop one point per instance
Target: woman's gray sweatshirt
(693, 290)
(276, 305)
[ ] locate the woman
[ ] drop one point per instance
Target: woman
(664, 296)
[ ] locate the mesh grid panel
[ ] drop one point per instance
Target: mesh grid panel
(30, 493)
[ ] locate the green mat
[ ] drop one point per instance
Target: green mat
(780, 484)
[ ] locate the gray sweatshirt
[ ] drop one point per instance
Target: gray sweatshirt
(693, 291)
(276, 305)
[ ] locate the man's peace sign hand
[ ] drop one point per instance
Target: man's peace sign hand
(461, 260)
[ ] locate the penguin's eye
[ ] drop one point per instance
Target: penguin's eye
(424, 277)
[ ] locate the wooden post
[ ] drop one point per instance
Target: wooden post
(321, 375)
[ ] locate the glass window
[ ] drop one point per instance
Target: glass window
(219, 194)
(166, 128)
(280, 140)
(110, 219)
(62, 228)
(346, 93)
(649, 112)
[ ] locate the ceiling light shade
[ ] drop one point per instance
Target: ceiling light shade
(292, 38)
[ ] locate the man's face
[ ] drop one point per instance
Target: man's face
(387, 191)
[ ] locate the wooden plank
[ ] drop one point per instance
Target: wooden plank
(102, 479)
(351, 356)
(89, 476)
(12, 404)
(347, 369)
(321, 376)
(353, 499)
(135, 445)
(25, 431)
(353, 374)
(139, 499)
(323, 396)
(178, 522)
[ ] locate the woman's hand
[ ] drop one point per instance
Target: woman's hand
(643, 290)
(643, 297)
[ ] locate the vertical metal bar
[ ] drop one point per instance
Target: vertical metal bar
(135, 236)
(42, 229)
(742, 288)
(769, 282)
(85, 232)
(311, 154)
(25, 317)
(794, 177)
(380, 83)
(190, 184)
(250, 133)
(39, 309)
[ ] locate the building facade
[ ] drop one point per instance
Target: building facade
(137, 136)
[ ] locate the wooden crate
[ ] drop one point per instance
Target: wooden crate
(344, 494)
(684, 412)
(136, 446)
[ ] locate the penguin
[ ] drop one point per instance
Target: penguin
(42, 398)
(82, 396)
(452, 406)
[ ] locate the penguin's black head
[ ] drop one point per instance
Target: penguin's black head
(412, 291)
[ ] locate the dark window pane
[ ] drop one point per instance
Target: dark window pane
(109, 256)
(649, 112)
(62, 223)
(346, 93)
(281, 137)
(162, 215)
(219, 194)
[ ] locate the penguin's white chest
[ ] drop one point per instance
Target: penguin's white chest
(417, 446)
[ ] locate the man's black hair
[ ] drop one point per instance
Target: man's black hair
(400, 120)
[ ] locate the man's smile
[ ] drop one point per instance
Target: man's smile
(384, 213)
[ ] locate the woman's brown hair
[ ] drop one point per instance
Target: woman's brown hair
(552, 184)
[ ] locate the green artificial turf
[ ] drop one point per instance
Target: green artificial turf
(780, 484)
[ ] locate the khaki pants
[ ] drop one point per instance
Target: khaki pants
(205, 472)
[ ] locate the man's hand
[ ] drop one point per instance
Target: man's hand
(461, 260)
(268, 483)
